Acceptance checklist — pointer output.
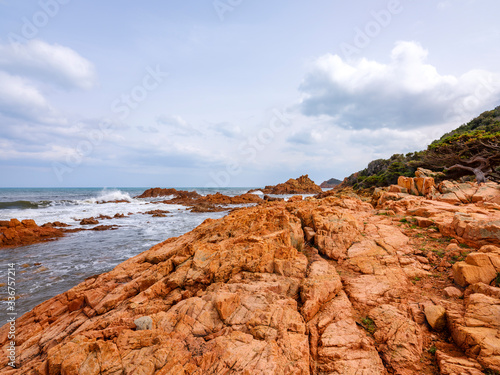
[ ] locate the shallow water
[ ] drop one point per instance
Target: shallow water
(67, 261)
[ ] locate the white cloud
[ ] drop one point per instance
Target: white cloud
(28, 71)
(48, 63)
(19, 98)
(405, 93)
(172, 120)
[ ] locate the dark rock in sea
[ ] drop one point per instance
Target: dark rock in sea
(104, 217)
(105, 227)
(207, 207)
(55, 224)
(89, 221)
(159, 192)
(157, 213)
(272, 199)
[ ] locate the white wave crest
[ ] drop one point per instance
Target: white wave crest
(110, 196)
(257, 192)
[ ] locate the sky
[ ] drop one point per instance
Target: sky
(199, 93)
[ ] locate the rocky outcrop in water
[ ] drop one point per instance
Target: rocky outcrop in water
(301, 185)
(159, 192)
(326, 286)
(26, 232)
(199, 203)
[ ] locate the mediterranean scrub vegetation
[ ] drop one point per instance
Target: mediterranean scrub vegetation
(471, 149)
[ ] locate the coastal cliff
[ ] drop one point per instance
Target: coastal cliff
(318, 286)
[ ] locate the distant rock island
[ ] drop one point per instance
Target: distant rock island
(331, 183)
(301, 185)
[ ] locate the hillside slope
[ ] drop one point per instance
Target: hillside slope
(475, 145)
(332, 182)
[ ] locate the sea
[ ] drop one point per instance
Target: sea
(46, 269)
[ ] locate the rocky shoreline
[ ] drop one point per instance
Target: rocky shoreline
(25, 232)
(15, 233)
(315, 286)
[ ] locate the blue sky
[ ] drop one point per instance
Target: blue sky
(233, 92)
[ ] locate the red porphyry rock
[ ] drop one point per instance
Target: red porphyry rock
(301, 185)
(26, 232)
(89, 221)
(247, 294)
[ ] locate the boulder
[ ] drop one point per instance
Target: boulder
(475, 228)
(488, 192)
(143, 323)
(436, 317)
(453, 292)
(309, 233)
(397, 189)
(423, 186)
(55, 224)
(478, 267)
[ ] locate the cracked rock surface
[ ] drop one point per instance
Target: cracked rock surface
(247, 294)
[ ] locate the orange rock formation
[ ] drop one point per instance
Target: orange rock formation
(301, 185)
(326, 286)
(26, 232)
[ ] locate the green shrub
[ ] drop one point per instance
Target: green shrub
(369, 324)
